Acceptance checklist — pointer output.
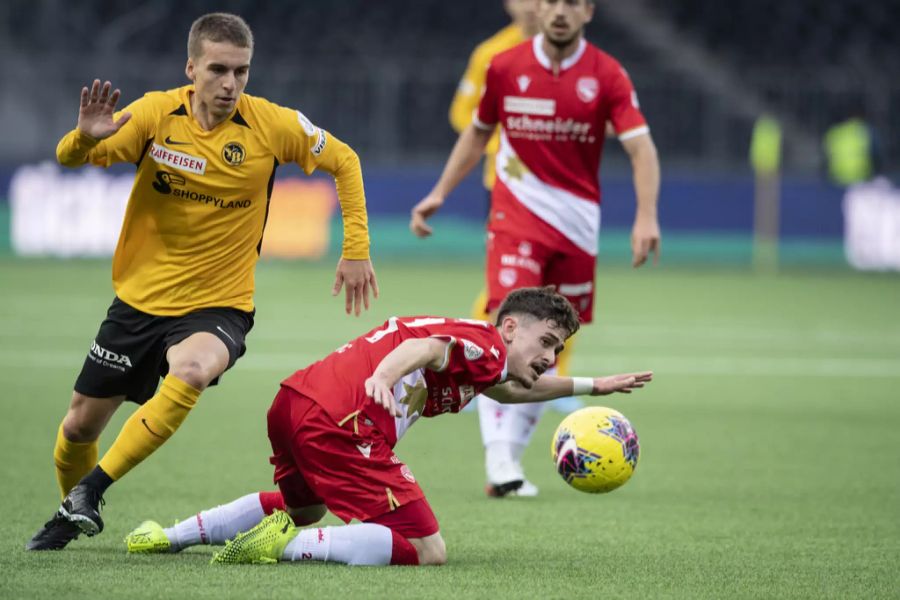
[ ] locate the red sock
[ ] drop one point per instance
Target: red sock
(271, 501)
(402, 551)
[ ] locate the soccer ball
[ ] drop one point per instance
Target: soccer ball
(595, 449)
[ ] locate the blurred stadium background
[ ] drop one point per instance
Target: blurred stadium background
(381, 75)
(770, 465)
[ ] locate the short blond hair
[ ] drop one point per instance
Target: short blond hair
(219, 27)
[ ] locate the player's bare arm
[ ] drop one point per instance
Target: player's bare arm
(550, 387)
(357, 277)
(95, 114)
(645, 235)
(429, 353)
(463, 158)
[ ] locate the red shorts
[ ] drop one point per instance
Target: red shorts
(354, 473)
(515, 262)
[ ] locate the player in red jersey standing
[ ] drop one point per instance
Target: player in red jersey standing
(333, 427)
(551, 98)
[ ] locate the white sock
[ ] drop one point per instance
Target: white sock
(510, 423)
(363, 544)
(217, 525)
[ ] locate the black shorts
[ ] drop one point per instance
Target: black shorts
(128, 356)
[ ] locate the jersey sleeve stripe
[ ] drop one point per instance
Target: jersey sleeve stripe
(633, 133)
(451, 342)
(480, 124)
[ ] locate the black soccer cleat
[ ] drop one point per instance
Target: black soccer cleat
(498, 490)
(54, 535)
(82, 508)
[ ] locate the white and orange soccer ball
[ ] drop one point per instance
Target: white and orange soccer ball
(595, 449)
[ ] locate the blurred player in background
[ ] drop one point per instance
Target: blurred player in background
(552, 98)
(333, 427)
(183, 270)
(523, 27)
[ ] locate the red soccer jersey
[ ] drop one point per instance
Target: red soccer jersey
(475, 360)
(552, 129)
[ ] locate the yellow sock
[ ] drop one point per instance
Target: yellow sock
(73, 460)
(150, 426)
(564, 360)
(478, 311)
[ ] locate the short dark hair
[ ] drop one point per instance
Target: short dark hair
(542, 303)
(219, 27)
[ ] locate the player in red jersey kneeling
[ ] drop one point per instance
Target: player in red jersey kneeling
(334, 424)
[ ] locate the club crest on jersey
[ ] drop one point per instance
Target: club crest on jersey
(587, 88)
(233, 153)
(524, 81)
(471, 350)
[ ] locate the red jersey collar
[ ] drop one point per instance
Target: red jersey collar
(542, 57)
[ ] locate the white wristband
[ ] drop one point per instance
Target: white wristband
(582, 386)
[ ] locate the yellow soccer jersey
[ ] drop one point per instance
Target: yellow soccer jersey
(194, 222)
(468, 94)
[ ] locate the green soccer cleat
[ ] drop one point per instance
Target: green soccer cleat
(264, 544)
(148, 538)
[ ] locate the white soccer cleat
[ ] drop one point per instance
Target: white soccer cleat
(528, 490)
(504, 477)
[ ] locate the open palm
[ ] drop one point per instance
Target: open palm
(95, 116)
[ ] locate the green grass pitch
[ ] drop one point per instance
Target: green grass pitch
(770, 463)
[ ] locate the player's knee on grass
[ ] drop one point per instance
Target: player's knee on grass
(307, 515)
(87, 416)
(431, 549)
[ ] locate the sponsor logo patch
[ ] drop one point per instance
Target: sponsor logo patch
(233, 153)
(178, 160)
(320, 143)
(164, 185)
(407, 474)
(556, 126)
(307, 125)
(587, 88)
(545, 107)
(471, 350)
(108, 358)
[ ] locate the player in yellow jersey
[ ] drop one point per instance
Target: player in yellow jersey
(505, 432)
(183, 269)
(524, 26)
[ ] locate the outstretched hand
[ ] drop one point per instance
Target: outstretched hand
(381, 393)
(623, 384)
(98, 105)
(357, 277)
